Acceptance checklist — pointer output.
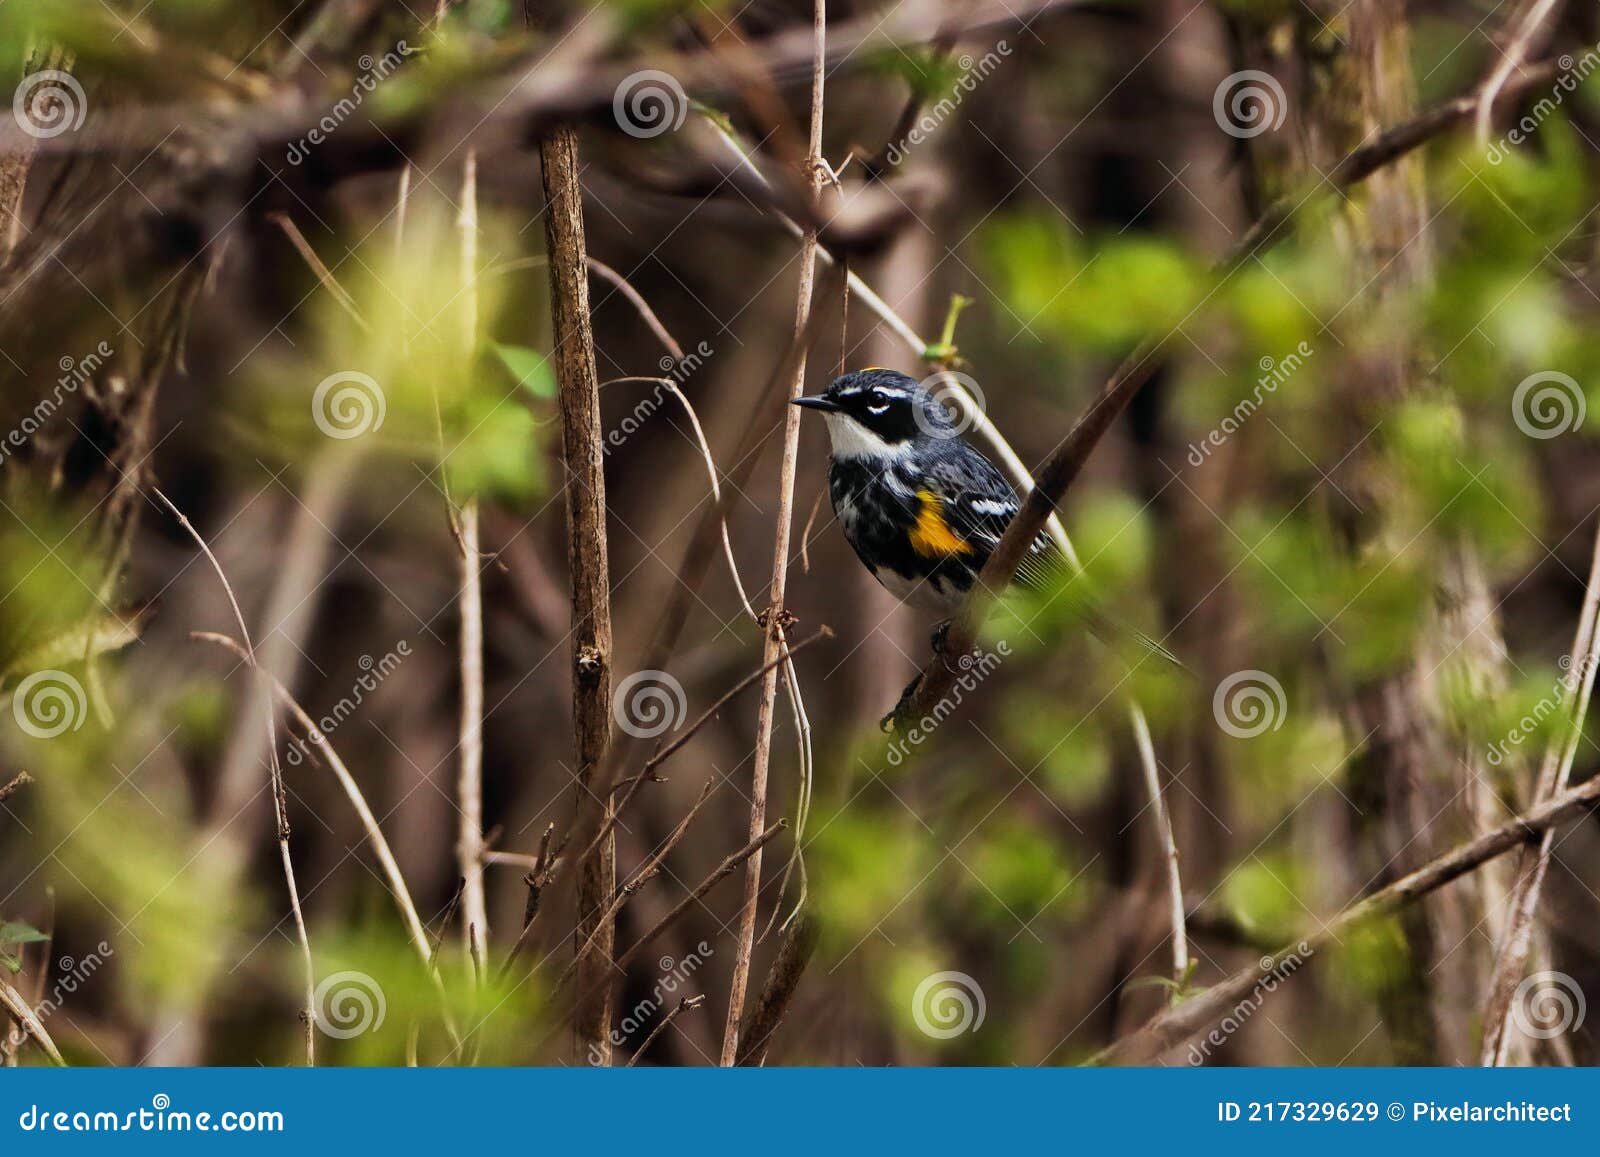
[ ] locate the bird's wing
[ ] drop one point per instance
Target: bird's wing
(979, 503)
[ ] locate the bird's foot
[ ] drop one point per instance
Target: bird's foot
(890, 722)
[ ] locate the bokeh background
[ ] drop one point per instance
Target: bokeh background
(1384, 553)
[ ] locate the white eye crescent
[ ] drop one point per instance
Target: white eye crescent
(880, 408)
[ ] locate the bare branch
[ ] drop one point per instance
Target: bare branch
(782, 979)
(280, 798)
(13, 1002)
(19, 781)
(1525, 25)
(1534, 862)
(776, 615)
(683, 1005)
(469, 782)
(1175, 1025)
(585, 491)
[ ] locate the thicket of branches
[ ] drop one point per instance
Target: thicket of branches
(426, 639)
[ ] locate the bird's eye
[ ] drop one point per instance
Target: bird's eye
(879, 403)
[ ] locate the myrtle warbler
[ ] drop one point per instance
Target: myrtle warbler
(922, 509)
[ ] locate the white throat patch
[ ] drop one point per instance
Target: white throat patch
(853, 440)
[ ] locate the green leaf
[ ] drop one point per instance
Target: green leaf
(530, 367)
(14, 963)
(14, 932)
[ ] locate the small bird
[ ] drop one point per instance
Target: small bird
(921, 507)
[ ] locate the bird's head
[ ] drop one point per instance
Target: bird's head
(876, 412)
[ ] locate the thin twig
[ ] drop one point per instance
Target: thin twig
(1169, 848)
(469, 782)
(683, 1006)
(777, 614)
(280, 797)
(603, 271)
(380, 846)
(688, 733)
(19, 781)
(721, 872)
(1533, 862)
(14, 1003)
(648, 870)
(323, 273)
(782, 979)
(1175, 1025)
(646, 314)
(711, 473)
(1511, 57)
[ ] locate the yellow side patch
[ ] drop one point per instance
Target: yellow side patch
(932, 537)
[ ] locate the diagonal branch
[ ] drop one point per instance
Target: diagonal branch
(1066, 462)
(1176, 1025)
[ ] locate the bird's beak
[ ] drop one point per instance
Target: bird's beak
(817, 402)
